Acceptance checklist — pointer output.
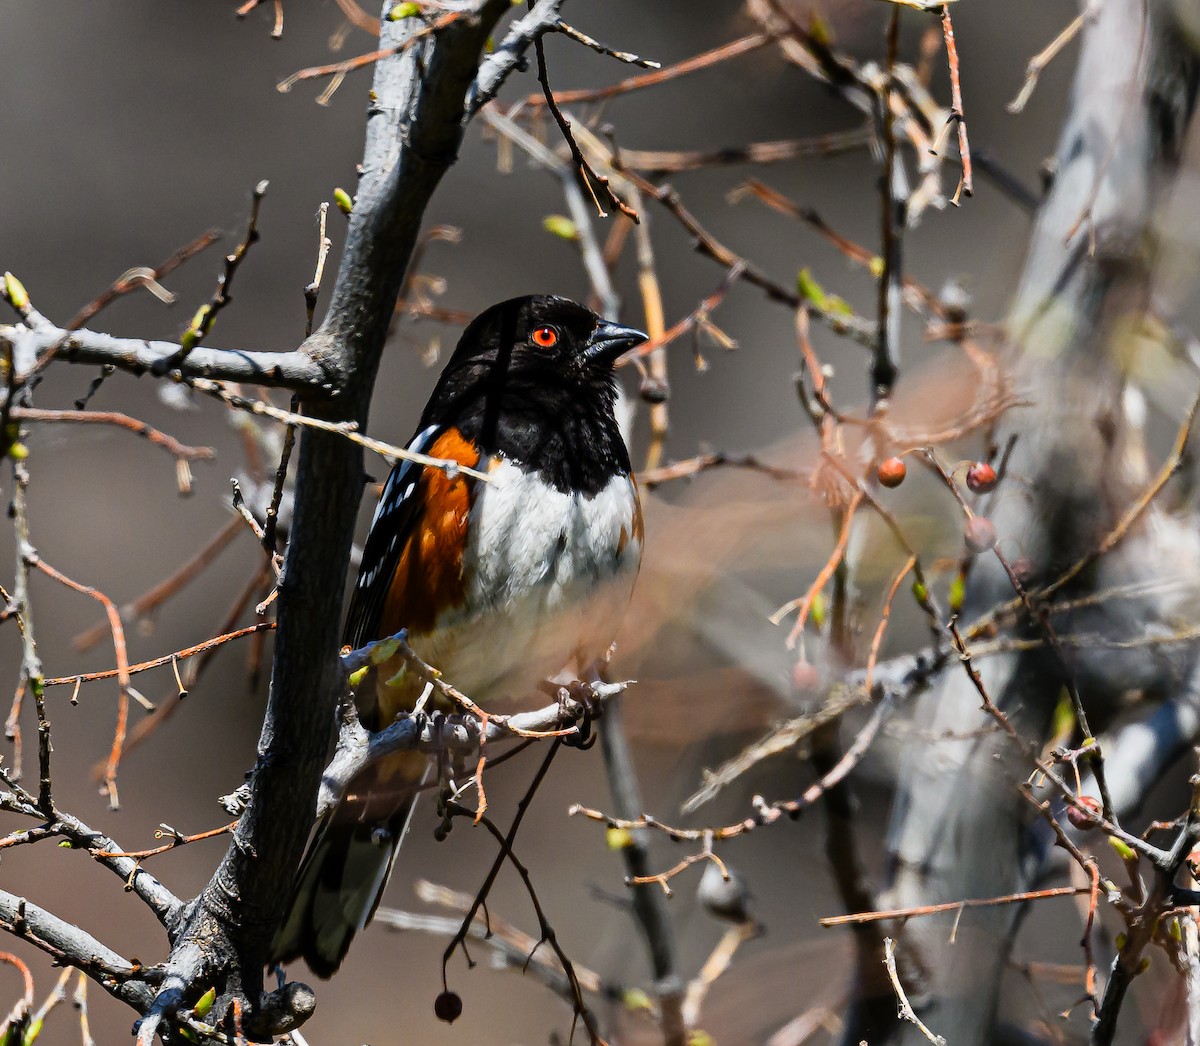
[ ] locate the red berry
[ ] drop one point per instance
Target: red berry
(1086, 818)
(447, 1007)
(805, 677)
(892, 472)
(982, 478)
(979, 534)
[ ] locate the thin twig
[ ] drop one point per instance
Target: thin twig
(108, 417)
(953, 906)
(140, 276)
(338, 70)
(206, 316)
(588, 174)
(704, 60)
(166, 659)
(165, 589)
(346, 429)
(906, 1010)
(122, 673)
(1044, 57)
(966, 185)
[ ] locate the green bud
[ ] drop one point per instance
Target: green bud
(18, 451)
(205, 1003)
(699, 1037)
(342, 199)
(15, 291)
(811, 291)
(819, 29)
(1124, 850)
(920, 592)
(384, 650)
(1064, 717)
(358, 676)
(876, 266)
(817, 610)
(618, 838)
(958, 592)
(66, 844)
(561, 226)
(32, 1032)
(405, 10)
(636, 999)
(1175, 930)
(1121, 941)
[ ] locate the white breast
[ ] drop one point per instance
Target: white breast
(548, 577)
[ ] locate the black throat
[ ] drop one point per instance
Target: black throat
(564, 429)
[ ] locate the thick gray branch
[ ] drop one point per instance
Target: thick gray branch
(72, 946)
(1087, 274)
(414, 129)
(290, 370)
(509, 56)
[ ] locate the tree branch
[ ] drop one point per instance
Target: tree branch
(414, 128)
(296, 370)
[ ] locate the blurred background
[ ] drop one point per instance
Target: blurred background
(129, 129)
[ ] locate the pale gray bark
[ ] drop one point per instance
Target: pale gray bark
(959, 827)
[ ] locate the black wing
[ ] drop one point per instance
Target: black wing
(395, 516)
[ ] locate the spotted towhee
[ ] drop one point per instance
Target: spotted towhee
(500, 584)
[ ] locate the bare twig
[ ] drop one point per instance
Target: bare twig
(704, 60)
(954, 906)
(906, 1010)
(140, 276)
(966, 184)
(587, 173)
(171, 445)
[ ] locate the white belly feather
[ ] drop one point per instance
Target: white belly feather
(548, 576)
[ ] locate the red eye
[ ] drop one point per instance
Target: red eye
(546, 337)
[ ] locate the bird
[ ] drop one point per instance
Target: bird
(500, 583)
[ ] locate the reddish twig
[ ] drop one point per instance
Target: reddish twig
(176, 840)
(172, 446)
(165, 589)
(122, 673)
(831, 564)
(134, 278)
(658, 161)
(338, 70)
(877, 639)
(966, 185)
(704, 60)
(158, 662)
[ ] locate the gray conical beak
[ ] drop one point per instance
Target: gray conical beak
(610, 341)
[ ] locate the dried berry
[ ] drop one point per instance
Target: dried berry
(448, 1007)
(654, 390)
(892, 472)
(1084, 815)
(979, 534)
(982, 478)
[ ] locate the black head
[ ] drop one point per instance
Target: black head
(532, 377)
(542, 335)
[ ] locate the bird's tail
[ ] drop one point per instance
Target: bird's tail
(346, 870)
